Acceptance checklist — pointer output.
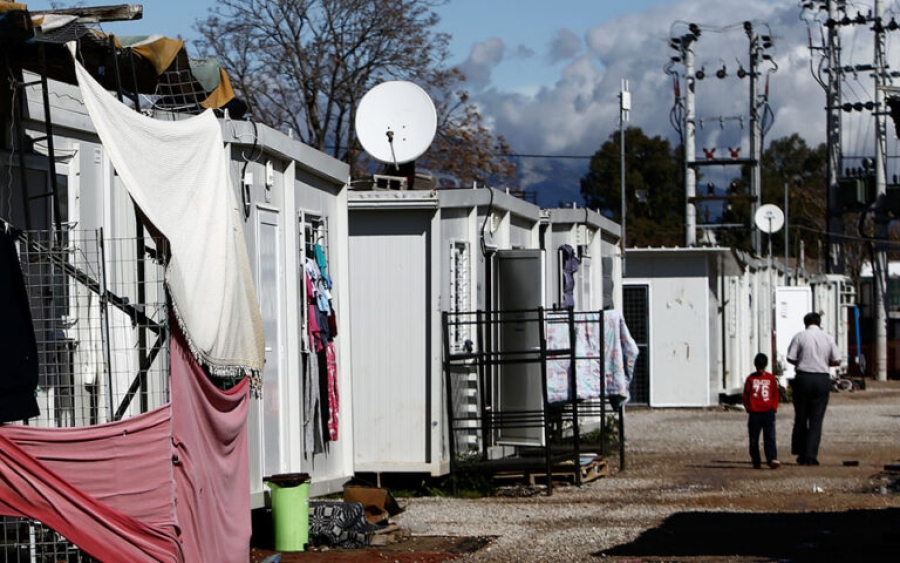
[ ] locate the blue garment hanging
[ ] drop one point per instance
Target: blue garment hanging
(322, 263)
(570, 266)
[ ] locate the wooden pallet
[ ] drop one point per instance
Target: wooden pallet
(560, 474)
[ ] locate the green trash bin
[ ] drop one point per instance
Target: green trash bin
(290, 510)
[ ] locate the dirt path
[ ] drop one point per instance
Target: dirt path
(689, 494)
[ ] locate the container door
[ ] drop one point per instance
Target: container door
(791, 304)
(520, 287)
(392, 304)
(636, 311)
(269, 268)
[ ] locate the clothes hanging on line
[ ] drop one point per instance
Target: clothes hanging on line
(621, 354)
(322, 262)
(178, 175)
(333, 395)
(312, 430)
(142, 489)
(324, 411)
(614, 369)
(587, 357)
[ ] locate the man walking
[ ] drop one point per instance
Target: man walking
(812, 351)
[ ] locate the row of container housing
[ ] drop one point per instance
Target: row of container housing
(700, 316)
(395, 261)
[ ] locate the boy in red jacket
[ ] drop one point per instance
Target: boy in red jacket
(761, 401)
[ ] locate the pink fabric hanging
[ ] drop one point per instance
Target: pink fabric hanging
(38, 467)
(334, 402)
(171, 485)
(212, 471)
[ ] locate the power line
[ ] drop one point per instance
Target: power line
(567, 156)
(571, 156)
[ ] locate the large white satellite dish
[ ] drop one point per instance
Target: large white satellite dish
(396, 122)
(769, 218)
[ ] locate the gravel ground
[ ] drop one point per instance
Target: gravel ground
(689, 493)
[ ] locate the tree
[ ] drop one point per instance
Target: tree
(464, 147)
(304, 65)
(654, 188)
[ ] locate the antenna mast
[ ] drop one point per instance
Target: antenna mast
(624, 108)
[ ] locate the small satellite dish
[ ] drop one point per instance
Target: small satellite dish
(396, 122)
(769, 218)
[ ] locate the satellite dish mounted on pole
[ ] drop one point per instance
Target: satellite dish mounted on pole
(769, 218)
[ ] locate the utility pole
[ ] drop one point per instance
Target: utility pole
(690, 175)
(834, 219)
(755, 132)
(875, 169)
(787, 248)
(687, 122)
(624, 108)
(879, 270)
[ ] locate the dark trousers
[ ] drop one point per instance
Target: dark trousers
(762, 422)
(810, 395)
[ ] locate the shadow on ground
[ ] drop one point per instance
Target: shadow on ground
(855, 535)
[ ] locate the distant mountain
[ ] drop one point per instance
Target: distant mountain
(555, 181)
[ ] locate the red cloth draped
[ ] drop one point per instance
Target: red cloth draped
(212, 474)
(31, 489)
(171, 485)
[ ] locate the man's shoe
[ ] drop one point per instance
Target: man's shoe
(802, 460)
(774, 464)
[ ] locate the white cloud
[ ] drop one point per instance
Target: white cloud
(485, 56)
(578, 112)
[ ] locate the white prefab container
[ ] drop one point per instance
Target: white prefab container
(413, 255)
(833, 296)
(293, 198)
(766, 315)
(685, 293)
(791, 305)
(595, 241)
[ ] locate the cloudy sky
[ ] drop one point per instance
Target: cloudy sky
(547, 75)
(574, 108)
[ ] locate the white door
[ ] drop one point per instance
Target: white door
(270, 285)
(791, 304)
(391, 303)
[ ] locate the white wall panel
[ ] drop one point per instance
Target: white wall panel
(390, 299)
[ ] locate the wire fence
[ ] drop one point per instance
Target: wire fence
(100, 321)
